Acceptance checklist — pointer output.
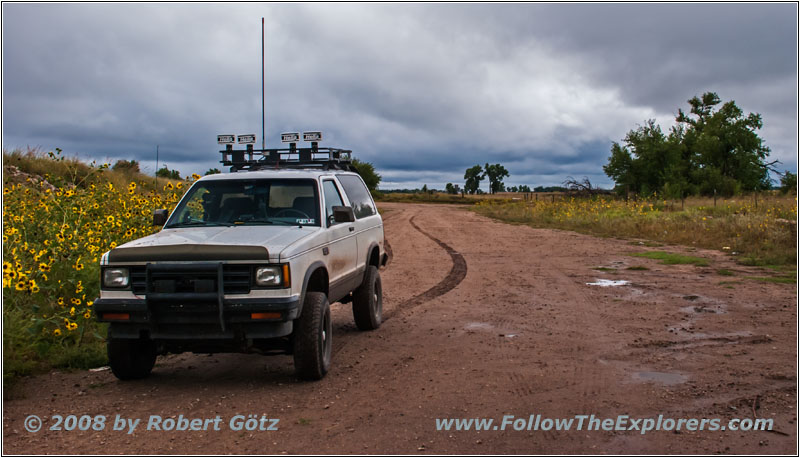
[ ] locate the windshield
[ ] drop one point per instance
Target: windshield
(248, 202)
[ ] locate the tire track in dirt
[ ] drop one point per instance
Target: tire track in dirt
(457, 273)
(388, 246)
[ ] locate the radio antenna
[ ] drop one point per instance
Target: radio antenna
(263, 139)
(156, 174)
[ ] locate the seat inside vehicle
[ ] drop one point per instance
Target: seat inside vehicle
(234, 207)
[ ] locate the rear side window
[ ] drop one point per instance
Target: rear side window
(358, 195)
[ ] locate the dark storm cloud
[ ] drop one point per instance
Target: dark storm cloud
(422, 91)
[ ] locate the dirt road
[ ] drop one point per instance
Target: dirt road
(484, 319)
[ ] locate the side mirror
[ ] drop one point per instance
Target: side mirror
(160, 217)
(343, 214)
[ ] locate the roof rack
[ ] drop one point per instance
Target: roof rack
(291, 158)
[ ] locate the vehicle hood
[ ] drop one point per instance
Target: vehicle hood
(237, 239)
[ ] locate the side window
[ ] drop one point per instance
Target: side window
(332, 199)
(358, 195)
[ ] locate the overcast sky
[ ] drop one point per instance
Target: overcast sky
(421, 91)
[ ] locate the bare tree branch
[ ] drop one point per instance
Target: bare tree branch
(583, 187)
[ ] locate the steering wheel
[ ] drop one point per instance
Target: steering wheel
(291, 210)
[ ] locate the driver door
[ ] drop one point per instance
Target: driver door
(341, 238)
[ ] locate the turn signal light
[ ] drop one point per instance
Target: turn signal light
(265, 315)
(287, 280)
(116, 316)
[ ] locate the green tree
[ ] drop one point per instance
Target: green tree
(213, 171)
(524, 188)
(495, 173)
(709, 151)
(789, 182)
(620, 168)
(641, 164)
(367, 171)
(681, 166)
(165, 172)
(473, 177)
(728, 154)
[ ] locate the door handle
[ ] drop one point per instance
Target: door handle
(352, 228)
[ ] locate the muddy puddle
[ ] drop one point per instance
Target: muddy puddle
(605, 283)
(665, 378)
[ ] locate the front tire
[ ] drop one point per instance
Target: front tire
(131, 359)
(368, 301)
(312, 338)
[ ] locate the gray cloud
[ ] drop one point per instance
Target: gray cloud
(422, 91)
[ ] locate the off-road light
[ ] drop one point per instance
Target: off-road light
(226, 139)
(269, 276)
(116, 277)
(250, 138)
(312, 136)
(290, 137)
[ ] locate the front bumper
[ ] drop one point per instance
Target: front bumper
(180, 318)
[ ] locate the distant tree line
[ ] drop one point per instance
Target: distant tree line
(549, 189)
(710, 150)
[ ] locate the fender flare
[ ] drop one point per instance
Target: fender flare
(372, 246)
(313, 267)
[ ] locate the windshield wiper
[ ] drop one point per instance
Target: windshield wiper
(253, 221)
(262, 221)
(200, 223)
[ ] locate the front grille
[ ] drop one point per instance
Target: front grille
(236, 280)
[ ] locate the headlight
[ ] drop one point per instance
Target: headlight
(269, 276)
(116, 277)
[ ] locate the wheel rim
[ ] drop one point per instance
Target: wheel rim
(325, 334)
(377, 297)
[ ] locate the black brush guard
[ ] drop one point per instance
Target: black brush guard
(159, 277)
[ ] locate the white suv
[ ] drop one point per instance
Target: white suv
(247, 262)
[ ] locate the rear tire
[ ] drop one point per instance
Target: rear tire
(131, 359)
(368, 301)
(312, 338)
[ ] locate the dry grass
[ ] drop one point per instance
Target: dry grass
(426, 198)
(757, 233)
(466, 199)
(59, 170)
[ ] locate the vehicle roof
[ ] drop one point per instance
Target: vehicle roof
(276, 173)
